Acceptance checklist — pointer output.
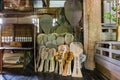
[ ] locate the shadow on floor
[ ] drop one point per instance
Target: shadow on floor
(28, 75)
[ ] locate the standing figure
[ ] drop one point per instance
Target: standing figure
(62, 49)
(77, 49)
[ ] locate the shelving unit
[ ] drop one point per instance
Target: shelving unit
(17, 38)
(19, 34)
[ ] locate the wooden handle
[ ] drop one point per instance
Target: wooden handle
(68, 56)
(46, 65)
(40, 69)
(38, 61)
(76, 68)
(69, 69)
(56, 67)
(60, 67)
(65, 69)
(52, 65)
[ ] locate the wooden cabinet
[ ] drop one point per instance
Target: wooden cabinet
(18, 32)
(17, 39)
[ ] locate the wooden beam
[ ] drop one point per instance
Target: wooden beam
(92, 29)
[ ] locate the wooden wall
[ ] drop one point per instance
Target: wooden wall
(92, 29)
(110, 70)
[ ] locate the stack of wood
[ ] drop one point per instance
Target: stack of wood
(13, 60)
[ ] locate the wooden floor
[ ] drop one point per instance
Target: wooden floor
(87, 75)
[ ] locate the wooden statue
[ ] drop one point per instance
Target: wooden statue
(60, 56)
(69, 72)
(40, 49)
(73, 13)
(56, 64)
(43, 56)
(52, 53)
(68, 56)
(77, 49)
(46, 67)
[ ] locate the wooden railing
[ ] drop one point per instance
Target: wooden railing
(107, 59)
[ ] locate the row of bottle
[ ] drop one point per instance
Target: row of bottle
(17, 39)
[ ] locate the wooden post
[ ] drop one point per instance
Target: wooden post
(117, 12)
(92, 29)
(117, 21)
(1, 61)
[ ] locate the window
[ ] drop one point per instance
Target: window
(53, 3)
(109, 12)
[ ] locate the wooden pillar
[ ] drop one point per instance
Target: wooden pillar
(92, 30)
(1, 57)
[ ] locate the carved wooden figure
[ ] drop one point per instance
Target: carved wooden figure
(68, 56)
(43, 56)
(60, 56)
(77, 49)
(69, 69)
(46, 67)
(39, 55)
(52, 53)
(56, 65)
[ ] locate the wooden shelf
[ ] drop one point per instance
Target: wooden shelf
(15, 14)
(51, 11)
(14, 34)
(15, 48)
(36, 11)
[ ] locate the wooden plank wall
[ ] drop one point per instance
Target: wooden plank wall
(110, 70)
(92, 29)
(18, 20)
